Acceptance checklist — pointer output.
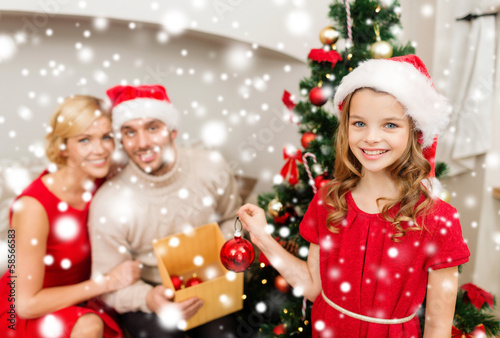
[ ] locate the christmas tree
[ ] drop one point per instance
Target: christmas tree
(360, 30)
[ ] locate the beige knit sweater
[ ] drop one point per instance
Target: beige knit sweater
(133, 209)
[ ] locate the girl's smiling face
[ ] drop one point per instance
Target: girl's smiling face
(379, 130)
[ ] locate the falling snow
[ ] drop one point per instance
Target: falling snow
(51, 327)
(66, 228)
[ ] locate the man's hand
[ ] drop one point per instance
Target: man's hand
(159, 300)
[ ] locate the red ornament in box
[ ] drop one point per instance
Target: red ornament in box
(307, 137)
(320, 95)
(177, 281)
(237, 254)
(193, 281)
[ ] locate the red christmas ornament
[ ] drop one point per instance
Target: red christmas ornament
(237, 254)
(307, 137)
(193, 281)
(319, 95)
(320, 181)
(279, 329)
(281, 284)
(177, 281)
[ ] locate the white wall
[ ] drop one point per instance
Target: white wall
(289, 26)
(204, 97)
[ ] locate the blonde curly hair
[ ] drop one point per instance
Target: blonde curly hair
(408, 172)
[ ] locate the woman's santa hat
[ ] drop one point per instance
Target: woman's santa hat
(406, 78)
(135, 102)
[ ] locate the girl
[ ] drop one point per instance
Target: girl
(49, 234)
(378, 238)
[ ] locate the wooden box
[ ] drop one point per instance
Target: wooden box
(199, 252)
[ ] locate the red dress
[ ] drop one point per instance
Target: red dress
(364, 271)
(67, 262)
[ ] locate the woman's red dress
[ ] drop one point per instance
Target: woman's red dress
(67, 262)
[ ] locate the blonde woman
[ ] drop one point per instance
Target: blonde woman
(51, 294)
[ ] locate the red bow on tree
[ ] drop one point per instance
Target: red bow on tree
(287, 100)
(290, 167)
(282, 219)
(478, 332)
(477, 296)
(321, 55)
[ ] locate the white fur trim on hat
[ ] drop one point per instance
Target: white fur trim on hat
(413, 89)
(145, 108)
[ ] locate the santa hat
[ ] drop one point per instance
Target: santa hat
(135, 102)
(406, 78)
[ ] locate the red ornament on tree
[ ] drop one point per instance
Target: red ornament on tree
(319, 95)
(320, 181)
(193, 281)
(177, 281)
(307, 137)
(279, 329)
(237, 254)
(281, 284)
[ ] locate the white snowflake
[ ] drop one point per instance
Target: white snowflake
(48, 260)
(65, 263)
(85, 54)
(231, 276)
(214, 133)
(183, 193)
(345, 287)
(319, 325)
(175, 22)
(298, 22)
(8, 47)
(198, 260)
(261, 307)
(169, 316)
(393, 252)
(51, 327)
(66, 228)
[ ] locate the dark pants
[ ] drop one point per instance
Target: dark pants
(147, 325)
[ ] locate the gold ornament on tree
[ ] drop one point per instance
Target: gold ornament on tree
(328, 35)
(275, 207)
(380, 49)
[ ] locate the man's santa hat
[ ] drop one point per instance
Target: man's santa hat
(135, 102)
(406, 78)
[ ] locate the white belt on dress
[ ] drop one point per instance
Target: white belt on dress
(366, 318)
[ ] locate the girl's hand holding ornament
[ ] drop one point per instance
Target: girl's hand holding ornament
(254, 221)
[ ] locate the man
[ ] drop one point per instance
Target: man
(163, 190)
